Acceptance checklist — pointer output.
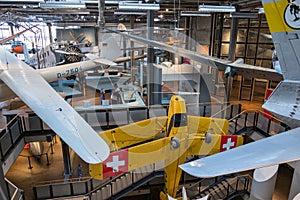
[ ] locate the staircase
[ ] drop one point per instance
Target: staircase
(224, 187)
(88, 188)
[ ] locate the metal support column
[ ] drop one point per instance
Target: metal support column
(11, 25)
(153, 82)
(50, 32)
(101, 23)
(212, 35)
(231, 55)
(66, 158)
(263, 183)
(124, 52)
(132, 18)
(295, 185)
(220, 34)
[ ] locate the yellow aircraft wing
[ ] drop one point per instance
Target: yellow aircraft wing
(155, 151)
(209, 136)
(135, 133)
(202, 125)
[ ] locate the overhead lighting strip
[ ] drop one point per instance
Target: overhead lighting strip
(213, 8)
(63, 5)
(123, 12)
(138, 6)
(194, 14)
(244, 15)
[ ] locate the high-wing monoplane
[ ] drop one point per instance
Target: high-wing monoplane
(168, 139)
(18, 78)
(230, 68)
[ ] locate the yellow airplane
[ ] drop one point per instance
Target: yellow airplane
(172, 41)
(169, 138)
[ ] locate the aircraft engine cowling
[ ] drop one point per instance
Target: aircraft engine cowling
(75, 57)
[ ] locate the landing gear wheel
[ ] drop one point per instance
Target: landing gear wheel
(175, 143)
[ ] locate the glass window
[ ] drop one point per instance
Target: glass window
(264, 51)
(226, 35)
(266, 63)
(253, 35)
(240, 50)
(249, 61)
(224, 49)
(243, 23)
(251, 50)
(254, 23)
(241, 36)
(265, 36)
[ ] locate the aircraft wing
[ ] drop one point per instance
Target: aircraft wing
(51, 108)
(281, 148)
(249, 71)
(134, 133)
(102, 61)
(128, 58)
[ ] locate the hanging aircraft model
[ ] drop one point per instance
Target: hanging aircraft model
(169, 139)
(57, 53)
(230, 68)
(19, 79)
(283, 102)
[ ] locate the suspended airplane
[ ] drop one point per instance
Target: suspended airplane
(169, 139)
(283, 102)
(19, 79)
(57, 54)
(230, 68)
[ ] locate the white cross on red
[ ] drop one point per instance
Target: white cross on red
(116, 163)
(228, 144)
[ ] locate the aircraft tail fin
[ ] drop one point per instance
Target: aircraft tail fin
(109, 48)
(284, 23)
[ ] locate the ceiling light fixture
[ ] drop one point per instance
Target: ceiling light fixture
(58, 5)
(212, 8)
(194, 14)
(121, 12)
(138, 6)
(244, 15)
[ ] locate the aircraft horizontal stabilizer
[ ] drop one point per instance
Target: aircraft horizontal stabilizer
(284, 102)
(52, 109)
(281, 148)
(99, 60)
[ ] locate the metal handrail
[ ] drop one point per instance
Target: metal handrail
(232, 181)
(18, 194)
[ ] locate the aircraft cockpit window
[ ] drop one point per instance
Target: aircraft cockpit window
(177, 120)
(180, 119)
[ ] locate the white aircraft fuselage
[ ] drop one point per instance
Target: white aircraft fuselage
(51, 74)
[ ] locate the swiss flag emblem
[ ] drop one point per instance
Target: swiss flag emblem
(115, 164)
(228, 142)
